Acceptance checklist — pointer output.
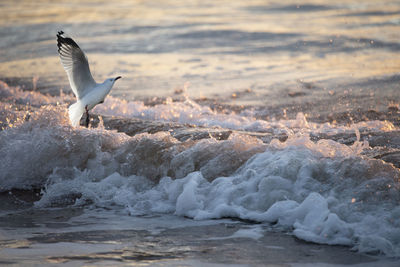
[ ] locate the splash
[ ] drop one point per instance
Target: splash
(189, 112)
(322, 190)
(336, 198)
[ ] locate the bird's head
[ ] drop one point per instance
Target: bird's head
(111, 81)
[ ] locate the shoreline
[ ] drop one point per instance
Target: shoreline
(226, 242)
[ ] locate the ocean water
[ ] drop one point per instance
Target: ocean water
(249, 128)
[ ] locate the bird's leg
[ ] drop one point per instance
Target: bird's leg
(87, 117)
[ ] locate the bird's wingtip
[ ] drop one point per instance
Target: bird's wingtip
(61, 39)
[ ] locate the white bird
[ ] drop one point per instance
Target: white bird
(88, 93)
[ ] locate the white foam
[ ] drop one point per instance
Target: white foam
(192, 113)
(326, 192)
(32, 98)
(255, 232)
(295, 186)
(189, 112)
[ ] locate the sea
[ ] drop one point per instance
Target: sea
(242, 133)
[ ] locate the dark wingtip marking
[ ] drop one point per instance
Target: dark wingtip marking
(61, 40)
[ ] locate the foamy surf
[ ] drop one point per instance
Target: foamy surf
(189, 112)
(322, 190)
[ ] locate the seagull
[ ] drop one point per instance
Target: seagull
(88, 93)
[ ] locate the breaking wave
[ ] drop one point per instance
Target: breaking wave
(323, 190)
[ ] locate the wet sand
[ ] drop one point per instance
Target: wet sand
(48, 237)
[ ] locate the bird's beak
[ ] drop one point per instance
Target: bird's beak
(119, 77)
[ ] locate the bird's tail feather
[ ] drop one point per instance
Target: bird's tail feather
(75, 112)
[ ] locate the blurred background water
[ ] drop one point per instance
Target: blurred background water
(342, 54)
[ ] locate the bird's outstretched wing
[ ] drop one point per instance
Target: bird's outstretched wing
(75, 64)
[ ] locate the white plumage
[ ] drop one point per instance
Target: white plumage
(88, 93)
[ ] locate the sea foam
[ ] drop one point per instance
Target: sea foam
(324, 199)
(323, 191)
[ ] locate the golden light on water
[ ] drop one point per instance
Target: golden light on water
(218, 46)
